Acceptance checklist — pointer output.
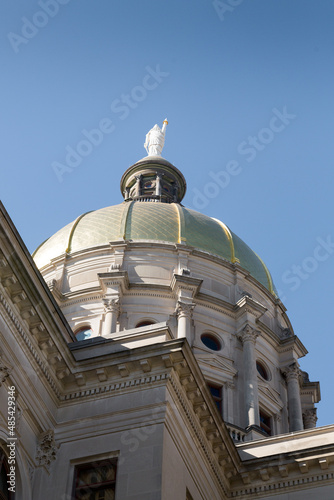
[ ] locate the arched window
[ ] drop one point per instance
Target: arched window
(83, 333)
(211, 342)
(5, 494)
(145, 322)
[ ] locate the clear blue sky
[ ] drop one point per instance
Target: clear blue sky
(224, 78)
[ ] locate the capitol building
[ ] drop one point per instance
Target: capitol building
(152, 359)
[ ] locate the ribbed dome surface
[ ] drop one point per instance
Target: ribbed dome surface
(158, 222)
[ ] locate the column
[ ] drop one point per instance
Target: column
(184, 312)
(138, 185)
(248, 338)
(292, 373)
(158, 185)
(112, 309)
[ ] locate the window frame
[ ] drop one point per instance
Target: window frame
(214, 338)
(218, 400)
(94, 487)
(266, 427)
(262, 367)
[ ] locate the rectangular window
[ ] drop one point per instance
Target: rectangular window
(265, 423)
(95, 481)
(216, 393)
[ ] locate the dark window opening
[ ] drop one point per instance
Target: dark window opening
(95, 481)
(265, 423)
(144, 323)
(261, 370)
(211, 342)
(216, 393)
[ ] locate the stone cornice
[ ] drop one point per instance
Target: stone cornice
(284, 474)
(105, 390)
(202, 428)
(17, 264)
(132, 245)
(196, 373)
(293, 344)
(271, 336)
(114, 281)
(34, 355)
(312, 388)
(183, 282)
(277, 465)
(215, 304)
(248, 305)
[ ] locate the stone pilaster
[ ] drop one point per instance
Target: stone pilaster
(228, 415)
(292, 373)
(248, 338)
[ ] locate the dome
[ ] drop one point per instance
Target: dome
(139, 221)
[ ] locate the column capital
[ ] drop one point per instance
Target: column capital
(111, 305)
(46, 449)
(5, 370)
(248, 333)
(184, 309)
(291, 371)
(310, 418)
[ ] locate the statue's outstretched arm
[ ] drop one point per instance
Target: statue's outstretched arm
(164, 125)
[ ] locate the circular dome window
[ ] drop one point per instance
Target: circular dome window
(84, 333)
(211, 342)
(262, 370)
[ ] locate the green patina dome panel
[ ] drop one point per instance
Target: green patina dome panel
(201, 231)
(152, 221)
(160, 222)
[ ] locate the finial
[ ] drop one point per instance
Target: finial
(155, 139)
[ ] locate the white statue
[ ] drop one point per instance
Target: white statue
(155, 139)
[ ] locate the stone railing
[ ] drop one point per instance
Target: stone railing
(237, 434)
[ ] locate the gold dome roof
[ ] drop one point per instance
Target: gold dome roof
(155, 222)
